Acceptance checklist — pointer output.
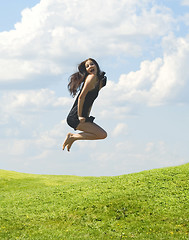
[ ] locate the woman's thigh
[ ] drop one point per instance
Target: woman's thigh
(92, 128)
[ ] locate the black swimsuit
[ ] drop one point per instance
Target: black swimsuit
(72, 118)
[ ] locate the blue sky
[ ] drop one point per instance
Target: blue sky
(144, 48)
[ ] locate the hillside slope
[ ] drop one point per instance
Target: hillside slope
(147, 205)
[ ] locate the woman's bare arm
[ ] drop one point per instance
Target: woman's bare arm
(88, 85)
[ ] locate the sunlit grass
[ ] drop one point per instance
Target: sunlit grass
(148, 205)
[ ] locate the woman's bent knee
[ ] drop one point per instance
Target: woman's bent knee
(103, 135)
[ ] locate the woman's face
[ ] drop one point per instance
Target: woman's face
(91, 67)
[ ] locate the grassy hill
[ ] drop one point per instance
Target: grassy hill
(147, 205)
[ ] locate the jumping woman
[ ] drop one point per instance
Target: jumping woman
(90, 80)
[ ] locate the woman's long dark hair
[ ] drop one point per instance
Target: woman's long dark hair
(76, 79)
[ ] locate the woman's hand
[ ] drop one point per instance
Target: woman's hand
(81, 119)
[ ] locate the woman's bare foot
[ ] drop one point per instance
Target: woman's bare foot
(69, 146)
(70, 143)
(67, 141)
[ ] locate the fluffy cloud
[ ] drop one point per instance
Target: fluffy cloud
(120, 129)
(185, 2)
(128, 156)
(161, 80)
(52, 33)
(36, 144)
(25, 114)
(33, 100)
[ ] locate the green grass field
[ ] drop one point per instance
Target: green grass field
(147, 205)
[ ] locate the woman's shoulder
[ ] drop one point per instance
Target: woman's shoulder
(90, 79)
(90, 82)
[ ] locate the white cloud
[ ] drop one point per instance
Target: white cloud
(37, 144)
(185, 2)
(32, 100)
(53, 32)
(156, 148)
(157, 82)
(161, 80)
(149, 146)
(128, 156)
(185, 19)
(120, 129)
(26, 115)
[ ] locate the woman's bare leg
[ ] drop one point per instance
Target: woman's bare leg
(90, 131)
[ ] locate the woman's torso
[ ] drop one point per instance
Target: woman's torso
(89, 100)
